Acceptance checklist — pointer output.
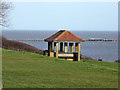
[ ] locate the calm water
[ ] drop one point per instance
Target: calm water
(108, 51)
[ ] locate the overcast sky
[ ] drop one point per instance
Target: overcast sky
(87, 16)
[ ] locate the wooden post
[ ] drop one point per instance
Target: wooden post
(71, 48)
(61, 46)
(56, 49)
(65, 47)
(76, 47)
(49, 48)
(78, 51)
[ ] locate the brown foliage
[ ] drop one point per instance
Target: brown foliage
(19, 46)
(87, 58)
(117, 61)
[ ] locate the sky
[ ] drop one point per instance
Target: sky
(82, 16)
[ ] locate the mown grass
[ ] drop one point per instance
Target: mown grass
(30, 70)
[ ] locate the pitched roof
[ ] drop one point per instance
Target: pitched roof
(63, 35)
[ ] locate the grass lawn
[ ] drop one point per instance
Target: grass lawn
(30, 70)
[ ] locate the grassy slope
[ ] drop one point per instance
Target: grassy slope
(29, 70)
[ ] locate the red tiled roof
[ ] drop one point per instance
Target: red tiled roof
(63, 35)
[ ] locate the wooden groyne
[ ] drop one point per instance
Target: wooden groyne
(100, 39)
(27, 39)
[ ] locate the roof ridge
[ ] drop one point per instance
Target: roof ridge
(52, 35)
(60, 35)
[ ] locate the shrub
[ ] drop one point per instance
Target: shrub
(118, 61)
(18, 46)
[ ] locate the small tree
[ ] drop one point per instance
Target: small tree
(4, 8)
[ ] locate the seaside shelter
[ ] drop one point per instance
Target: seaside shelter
(65, 45)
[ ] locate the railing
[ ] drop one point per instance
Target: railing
(66, 55)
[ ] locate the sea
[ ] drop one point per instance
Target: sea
(107, 50)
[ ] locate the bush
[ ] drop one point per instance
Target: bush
(118, 61)
(87, 58)
(18, 46)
